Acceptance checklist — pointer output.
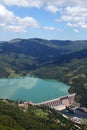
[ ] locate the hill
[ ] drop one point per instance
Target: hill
(54, 59)
(13, 117)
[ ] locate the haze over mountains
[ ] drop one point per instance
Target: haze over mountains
(55, 59)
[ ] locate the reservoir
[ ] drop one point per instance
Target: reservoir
(32, 89)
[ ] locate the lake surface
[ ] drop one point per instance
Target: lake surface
(32, 89)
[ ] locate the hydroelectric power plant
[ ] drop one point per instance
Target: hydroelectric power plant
(60, 103)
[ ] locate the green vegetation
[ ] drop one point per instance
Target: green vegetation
(51, 59)
(40, 113)
(34, 118)
(73, 73)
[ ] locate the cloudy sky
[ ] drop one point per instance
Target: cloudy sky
(49, 19)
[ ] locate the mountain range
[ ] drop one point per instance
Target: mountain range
(53, 59)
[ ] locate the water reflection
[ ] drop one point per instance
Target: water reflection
(9, 87)
(35, 89)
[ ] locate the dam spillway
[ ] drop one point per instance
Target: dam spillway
(59, 103)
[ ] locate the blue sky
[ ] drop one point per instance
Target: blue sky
(47, 19)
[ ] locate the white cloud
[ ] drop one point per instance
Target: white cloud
(52, 28)
(72, 25)
(10, 22)
(79, 3)
(2, 24)
(76, 10)
(52, 8)
(27, 22)
(73, 12)
(39, 3)
(65, 3)
(16, 29)
(79, 24)
(75, 30)
(75, 16)
(83, 24)
(58, 3)
(24, 3)
(6, 15)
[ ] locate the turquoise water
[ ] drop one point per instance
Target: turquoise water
(32, 89)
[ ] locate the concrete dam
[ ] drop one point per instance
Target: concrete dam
(59, 103)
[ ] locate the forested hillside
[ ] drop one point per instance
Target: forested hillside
(13, 117)
(54, 59)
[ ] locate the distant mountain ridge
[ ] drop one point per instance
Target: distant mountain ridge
(60, 47)
(35, 52)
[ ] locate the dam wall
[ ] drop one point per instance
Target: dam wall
(59, 103)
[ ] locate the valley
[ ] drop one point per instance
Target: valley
(65, 61)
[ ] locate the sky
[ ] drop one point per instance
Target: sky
(47, 19)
